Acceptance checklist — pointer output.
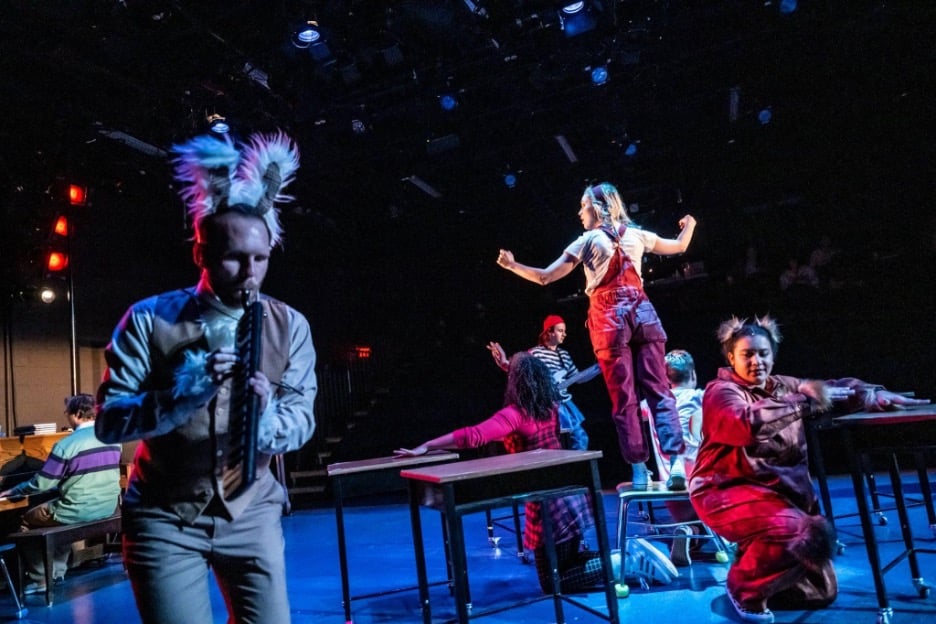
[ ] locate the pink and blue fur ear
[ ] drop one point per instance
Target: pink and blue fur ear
(216, 175)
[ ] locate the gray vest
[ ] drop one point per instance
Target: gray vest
(182, 469)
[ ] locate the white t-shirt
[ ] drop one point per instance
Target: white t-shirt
(595, 248)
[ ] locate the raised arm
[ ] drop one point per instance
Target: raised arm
(678, 245)
(560, 267)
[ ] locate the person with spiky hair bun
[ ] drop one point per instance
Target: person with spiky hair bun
(751, 481)
(172, 381)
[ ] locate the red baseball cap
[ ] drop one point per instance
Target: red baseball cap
(551, 321)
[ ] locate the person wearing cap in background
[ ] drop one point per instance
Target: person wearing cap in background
(562, 368)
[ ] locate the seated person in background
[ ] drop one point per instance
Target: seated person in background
(751, 481)
(798, 275)
(680, 370)
(84, 472)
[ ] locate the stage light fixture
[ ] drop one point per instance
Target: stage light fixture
(218, 124)
(47, 295)
(77, 195)
(577, 18)
(61, 226)
(599, 75)
(307, 34)
(448, 102)
(788, 6)
(631, 150)
(764, 116)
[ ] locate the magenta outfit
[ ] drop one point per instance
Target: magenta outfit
(751, 485)
(628, 339)
(570, 515)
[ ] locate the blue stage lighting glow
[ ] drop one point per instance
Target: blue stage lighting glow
(572, 9)
(788, 6)
(631, 150)
(510, 180)
(448, 102)
(599, 75)
(765, 116)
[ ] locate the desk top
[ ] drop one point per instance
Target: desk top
(912, 414)
(381, 463)
(498, 464)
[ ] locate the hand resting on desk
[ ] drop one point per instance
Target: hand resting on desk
(422, 449)
(886, 400)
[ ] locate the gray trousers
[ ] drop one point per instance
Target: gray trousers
(168, 562)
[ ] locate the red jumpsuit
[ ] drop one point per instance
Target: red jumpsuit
(751, 484)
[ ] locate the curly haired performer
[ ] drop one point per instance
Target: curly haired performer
(170, 383)
(751, 482)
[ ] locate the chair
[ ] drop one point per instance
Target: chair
(657, 492)
(21, 611)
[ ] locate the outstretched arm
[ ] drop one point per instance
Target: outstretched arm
(678, 245)
(442, 442)
(561, 267)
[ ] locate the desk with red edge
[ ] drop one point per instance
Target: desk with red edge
(887, 433)
(465, 487)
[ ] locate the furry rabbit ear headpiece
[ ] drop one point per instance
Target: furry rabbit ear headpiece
(218, 177)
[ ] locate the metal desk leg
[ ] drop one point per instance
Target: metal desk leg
(342, 551)
(604, 547)
(901, 503)
(459, 559)
(550, 545)
(885, 612)
(925, 489)
(420, 553)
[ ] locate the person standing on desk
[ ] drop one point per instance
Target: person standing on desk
(173, 381)
(529, 421)
(751, 482)
(85, 473)
(550, 352)
(626, 333)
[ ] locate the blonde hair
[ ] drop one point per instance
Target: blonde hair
(607, 203)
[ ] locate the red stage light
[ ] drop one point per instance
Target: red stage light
(61, 226)
(57, 261)
(77, 195)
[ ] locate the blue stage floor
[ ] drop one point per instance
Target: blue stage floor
(381, 558)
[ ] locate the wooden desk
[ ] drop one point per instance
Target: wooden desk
(470, 486)
(380, 475)
(20, 458)
(887, 433)
(26, 454)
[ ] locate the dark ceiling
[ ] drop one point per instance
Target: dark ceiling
(97, 90)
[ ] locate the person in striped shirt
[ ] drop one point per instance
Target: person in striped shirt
(84, 472)
(561, 368)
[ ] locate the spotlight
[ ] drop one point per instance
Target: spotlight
(577, 18)
(218, 124)
(448, 102)
(46, 295)
(765, 116)
(788, 6)
(358, 126)
(599, 75)
(510, 179)
(307, 34)
(631, 150)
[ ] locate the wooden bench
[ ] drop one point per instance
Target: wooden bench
(46, 539)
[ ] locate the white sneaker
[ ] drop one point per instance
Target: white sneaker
(764, 616)
(677, 479)
(646, 562)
